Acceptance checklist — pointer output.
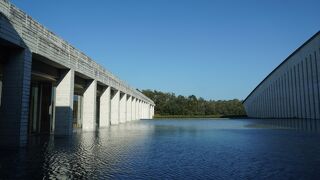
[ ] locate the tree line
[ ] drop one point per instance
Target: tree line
(171, 104)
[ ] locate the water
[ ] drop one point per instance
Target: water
(170, 149)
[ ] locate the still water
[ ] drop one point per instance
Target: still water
(171, 149)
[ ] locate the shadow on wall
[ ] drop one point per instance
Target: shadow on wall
(16, 60)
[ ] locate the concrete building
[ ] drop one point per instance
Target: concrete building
(48, 86)
(292, 90)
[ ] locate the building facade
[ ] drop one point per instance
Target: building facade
(48, 86)
(292, 90)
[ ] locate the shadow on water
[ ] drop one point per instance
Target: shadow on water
(308, 125)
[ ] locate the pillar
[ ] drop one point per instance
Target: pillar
(140, 109)
(134, 100)
(15, 99)
(129, 108)
(123, 107)
(105, 103)
(115, 103)
(137, 109)
(149, 111)
(89, 107)
(64, 104)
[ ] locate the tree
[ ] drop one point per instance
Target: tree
(170, 104)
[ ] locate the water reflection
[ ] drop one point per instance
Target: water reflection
(308, 125)
(172, 149)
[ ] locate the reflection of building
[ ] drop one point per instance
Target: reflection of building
(292, 90)
(48, 86)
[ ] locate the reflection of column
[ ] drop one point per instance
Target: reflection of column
(105, 108)
(129, 109)
(123, 107)
(15, 99)
(115, 107)
(89, 107)
(64, 104)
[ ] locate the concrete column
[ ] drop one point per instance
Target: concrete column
(115, 106)
(123, 107)
(129, 108)
(133, 109)
(64, 104)
(149, 111)
(89, 107)
(143, 110)
(137, 109)
(105, 104)
(140, 110)
(14, 109)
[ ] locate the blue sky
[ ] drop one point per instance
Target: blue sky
(216, 49)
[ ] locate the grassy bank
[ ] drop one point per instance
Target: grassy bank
(157, 116)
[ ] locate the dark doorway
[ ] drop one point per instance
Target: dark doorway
(41, 108)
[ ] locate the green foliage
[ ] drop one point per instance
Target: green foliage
(170, 104)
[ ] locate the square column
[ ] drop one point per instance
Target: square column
(115, 106)
(145, 116)
(89, 107)
(149, 111)
(123, 107)
(133, 109)
(105, 104)
(140, 110)
(14, 108)
(137, 109)
(129, 108)
(144, 110)
(64, 104)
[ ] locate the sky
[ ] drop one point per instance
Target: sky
(215, 49)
